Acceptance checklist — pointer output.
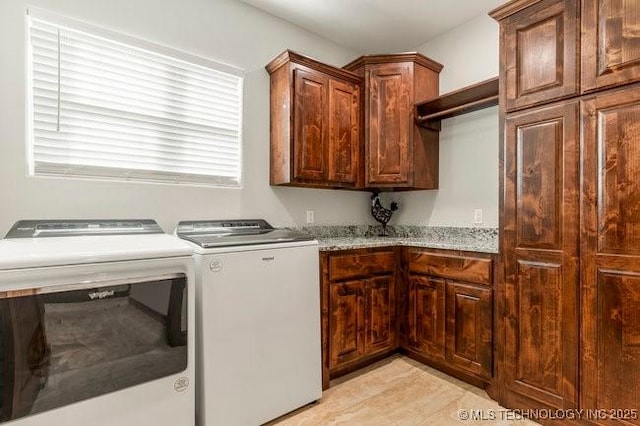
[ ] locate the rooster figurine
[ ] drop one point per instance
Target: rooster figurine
(380, 213)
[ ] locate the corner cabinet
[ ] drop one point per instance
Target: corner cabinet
(358, 294)
(449, 311)
(315, 124)
(397, 153)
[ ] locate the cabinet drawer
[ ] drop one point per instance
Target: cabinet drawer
(471, 269)
(342, 267)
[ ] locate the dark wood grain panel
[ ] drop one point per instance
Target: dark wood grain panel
(344, 132)
(610, 276)
(427, 315)
(617, 356)
(348, 266)
(310, 128)
(540, 56)
(380, 322)
(611, 341)
(346, 322)
(469, 328)
(324, 317)
(610, 43)
(540, 255)
(476, 270)
(619, 194)
(468, 99)
(389, 125)
(280, 107)
(538, 354)
(540, 45)
(539, 198)
(425, 161)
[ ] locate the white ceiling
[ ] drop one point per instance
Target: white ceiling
(377, 26)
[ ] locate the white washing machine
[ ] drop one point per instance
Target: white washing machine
(258, 321)
(96, 325)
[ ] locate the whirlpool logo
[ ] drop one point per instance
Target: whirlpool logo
(100, 294)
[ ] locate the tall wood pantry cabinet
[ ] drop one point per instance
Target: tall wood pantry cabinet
(569, 291)
(397, 153)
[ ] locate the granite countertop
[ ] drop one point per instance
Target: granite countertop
(346, 243)
(481, 240)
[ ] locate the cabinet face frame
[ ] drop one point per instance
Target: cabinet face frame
(610, 44)
(539, 49)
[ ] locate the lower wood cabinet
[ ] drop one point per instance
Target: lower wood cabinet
(434, 305)
(426, 321)
(358, 308)
(469, 328)
(450, 321)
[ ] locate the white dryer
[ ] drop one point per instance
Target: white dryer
(258, 320)
(96, 325)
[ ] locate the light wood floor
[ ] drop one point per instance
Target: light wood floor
(399, 391)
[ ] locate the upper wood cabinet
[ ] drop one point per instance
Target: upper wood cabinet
(610, 43)
(397, 153)
(538, 54)
(315, 123)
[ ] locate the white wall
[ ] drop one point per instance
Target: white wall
(223, 30)
(468, 143)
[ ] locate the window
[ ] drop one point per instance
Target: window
(107, 106)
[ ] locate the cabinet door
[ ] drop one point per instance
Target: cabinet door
(346, 322)
(380, 323)
(310, 147)
(389, 125)
(426, 315)
(469, 328)
(611, 252)
(539, 46)
(541, 256)
(344, 132)
(610, 43)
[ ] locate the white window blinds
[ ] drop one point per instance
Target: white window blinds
(104, 108)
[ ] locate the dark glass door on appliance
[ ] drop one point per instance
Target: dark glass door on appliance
(63, 347)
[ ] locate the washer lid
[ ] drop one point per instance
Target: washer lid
(236, 232)
(74, 227)
(65, 244)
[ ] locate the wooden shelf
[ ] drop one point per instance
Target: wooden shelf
(471, 98)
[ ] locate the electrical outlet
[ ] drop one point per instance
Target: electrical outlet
(310, 216)
(477, 217)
